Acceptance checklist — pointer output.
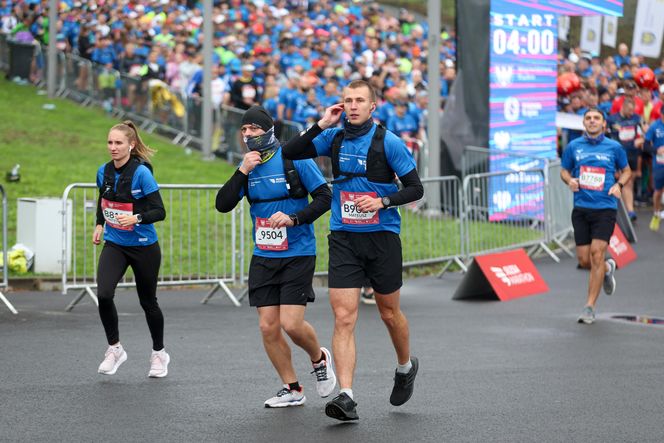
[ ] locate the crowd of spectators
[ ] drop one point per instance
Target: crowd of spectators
(628, 92)
(292, 56)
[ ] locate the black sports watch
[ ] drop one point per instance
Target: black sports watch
(294, 219)
(621, 185)
(139, 218)
(386, 202)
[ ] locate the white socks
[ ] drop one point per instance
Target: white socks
(348, 392)
(404, 369)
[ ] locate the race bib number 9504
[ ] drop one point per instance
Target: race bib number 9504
(270, 239)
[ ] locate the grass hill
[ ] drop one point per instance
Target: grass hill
(67, 145)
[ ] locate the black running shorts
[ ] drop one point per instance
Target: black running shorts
(592, 224)
(281, 281)
(356, 256)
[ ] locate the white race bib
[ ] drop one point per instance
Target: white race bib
(627, 133)
(592, 177)
(270, 239)
(351, 215)
(112, 209)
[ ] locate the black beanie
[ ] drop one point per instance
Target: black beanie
(257, 115)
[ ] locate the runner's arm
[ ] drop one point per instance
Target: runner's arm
(100, 213)
(412, 190)
(320, 204)
(229, 194)
(156, 211)
(302, 146)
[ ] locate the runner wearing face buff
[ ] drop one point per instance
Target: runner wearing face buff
(284, 257)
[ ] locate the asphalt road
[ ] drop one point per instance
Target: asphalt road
(516, 371)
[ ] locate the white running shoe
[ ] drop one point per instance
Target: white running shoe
(285, 398)
(325, 378)
(159, 364)
(113, 358)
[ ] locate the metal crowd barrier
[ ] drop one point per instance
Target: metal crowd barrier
(4, 283)
(194, 240)
(493, 222)
(559, 205)
(432, 234)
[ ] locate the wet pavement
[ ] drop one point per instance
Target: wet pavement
(522, 370)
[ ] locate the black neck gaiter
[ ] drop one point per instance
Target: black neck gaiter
(354, 131)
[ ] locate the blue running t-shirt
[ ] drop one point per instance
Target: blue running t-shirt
(655, 135)
(267, 181)
(595, 165)
(353, 159)
(142, 184)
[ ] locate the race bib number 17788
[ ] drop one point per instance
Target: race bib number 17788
(592, 178)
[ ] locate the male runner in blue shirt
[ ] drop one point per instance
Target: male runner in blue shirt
(365, 225)
(589, 167)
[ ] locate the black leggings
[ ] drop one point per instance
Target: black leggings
(145, 262)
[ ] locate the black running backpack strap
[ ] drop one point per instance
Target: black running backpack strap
(378, 170)
(293, 183)
(108, 185)
(334, 151)
(295, 187)
(123, 188)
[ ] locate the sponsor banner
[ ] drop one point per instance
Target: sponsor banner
(591, 34)
(522, 87)
(620, 249)
(511, 274)
(574, 7)
(648, 28)
(523, 53)
(610, 31)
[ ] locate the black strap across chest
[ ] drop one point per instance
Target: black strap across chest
(293, 183)
(377, 169)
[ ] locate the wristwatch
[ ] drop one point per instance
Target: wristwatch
(386, 202)
(294, 219)
(139, 218)
(621, 185)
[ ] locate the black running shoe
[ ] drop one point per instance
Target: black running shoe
(404, 384)
(341, 407)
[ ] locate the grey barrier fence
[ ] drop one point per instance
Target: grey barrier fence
(559, 204)
(558, 200)
(435, 236)
(4, 283)
(194, 240)
(493, 222)
(202, 247)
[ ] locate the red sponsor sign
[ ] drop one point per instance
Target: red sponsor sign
(511, 274)
(620, 249)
